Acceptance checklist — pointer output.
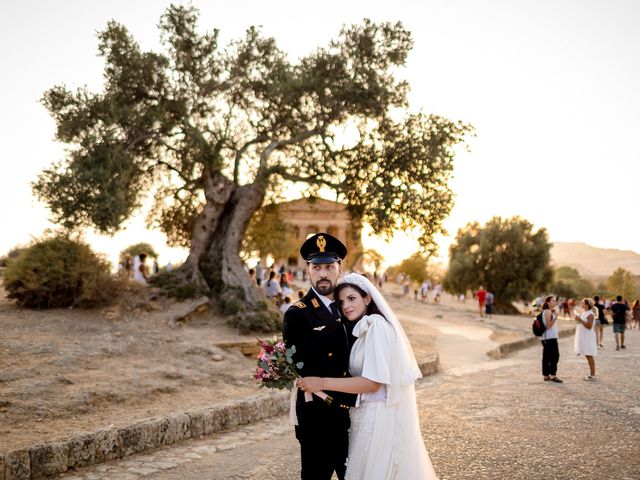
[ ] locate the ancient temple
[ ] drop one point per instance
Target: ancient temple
(309, 216)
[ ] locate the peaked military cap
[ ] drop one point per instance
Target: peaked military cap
(323, 248)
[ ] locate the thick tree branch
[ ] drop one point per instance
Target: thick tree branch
(312, 179)
(240, 152)
(277, 145)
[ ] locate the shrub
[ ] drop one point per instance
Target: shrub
(11, 255)
(59, 272)
(174, 284)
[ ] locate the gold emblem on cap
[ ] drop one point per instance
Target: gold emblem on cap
(321, 242)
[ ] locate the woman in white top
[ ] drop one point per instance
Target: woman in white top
(550, 350)
(272, 287)
(585, 340)
(385, 442)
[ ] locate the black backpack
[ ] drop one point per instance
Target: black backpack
(538, 325)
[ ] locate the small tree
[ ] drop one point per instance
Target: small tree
(505, 256)
(416, 266)
(137, 249)
(621, 282)
(568, 283)
(269, 234)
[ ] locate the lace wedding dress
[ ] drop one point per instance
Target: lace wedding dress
(385, 442)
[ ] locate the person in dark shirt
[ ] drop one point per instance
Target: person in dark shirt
(601, 320)
(619, 310)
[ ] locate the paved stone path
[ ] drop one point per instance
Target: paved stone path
(493, 420)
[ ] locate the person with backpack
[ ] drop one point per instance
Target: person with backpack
(550, 350)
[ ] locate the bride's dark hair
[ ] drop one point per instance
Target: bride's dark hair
(372, 308)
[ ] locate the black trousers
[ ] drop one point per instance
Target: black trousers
(550, 356)
(323, 433)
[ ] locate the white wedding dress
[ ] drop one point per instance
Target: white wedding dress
(385, 442)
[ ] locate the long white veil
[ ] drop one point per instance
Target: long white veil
(404, 363)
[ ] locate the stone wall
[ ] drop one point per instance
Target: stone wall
(107, 444)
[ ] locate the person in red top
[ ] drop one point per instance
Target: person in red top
(481, 295)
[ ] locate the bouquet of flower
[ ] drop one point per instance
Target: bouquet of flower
(275, 365)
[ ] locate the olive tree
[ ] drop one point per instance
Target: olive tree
(210, 130)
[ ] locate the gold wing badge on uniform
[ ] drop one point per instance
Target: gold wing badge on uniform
(315, 303)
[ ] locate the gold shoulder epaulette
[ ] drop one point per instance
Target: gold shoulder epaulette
(299, 305)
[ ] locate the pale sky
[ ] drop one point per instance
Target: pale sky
(551, 87)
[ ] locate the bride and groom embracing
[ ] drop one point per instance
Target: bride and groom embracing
(362, 421)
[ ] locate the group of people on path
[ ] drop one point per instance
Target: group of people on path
(276, 284)
(354, 407)
(135, 268)
(590, 318)
(485, 302)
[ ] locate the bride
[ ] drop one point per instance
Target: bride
(385, 442)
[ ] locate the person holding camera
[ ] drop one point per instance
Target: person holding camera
(585, 340)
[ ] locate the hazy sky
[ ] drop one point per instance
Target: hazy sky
(552, 88)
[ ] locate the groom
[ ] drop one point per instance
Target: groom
(323, 342)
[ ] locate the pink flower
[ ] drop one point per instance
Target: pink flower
(264, 356)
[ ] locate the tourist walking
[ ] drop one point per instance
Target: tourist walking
(285, 286)
(550, 350)
(619, 311)
(601, 320)
(481, 295)
(140, 268)
(635, 312)
(488, 306)
(585, 342)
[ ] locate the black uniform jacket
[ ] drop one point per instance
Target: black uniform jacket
(322, 343)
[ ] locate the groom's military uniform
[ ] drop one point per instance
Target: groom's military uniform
(323, 342)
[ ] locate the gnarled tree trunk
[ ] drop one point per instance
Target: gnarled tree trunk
(221, 265)
(213, 266)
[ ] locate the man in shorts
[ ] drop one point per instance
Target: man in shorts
(619, 310)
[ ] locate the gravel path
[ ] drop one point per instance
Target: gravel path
(493, 420)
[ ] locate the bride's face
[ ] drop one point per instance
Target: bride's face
(353, 305)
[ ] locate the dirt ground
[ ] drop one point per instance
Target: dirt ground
(66, 371)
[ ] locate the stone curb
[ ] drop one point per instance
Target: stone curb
(107, 444)
(85, 449)
(505, 349)
(430, 366)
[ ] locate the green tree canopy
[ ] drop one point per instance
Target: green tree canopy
(137, 249)
(505, 256)
(209, 130)
(416, 266)
(568, 283)
(621, 282)
(269, 234)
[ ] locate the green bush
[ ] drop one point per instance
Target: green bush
(12, 254)
(174, 284)
(59, 272)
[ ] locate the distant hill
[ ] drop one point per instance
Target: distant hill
(594, 262)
